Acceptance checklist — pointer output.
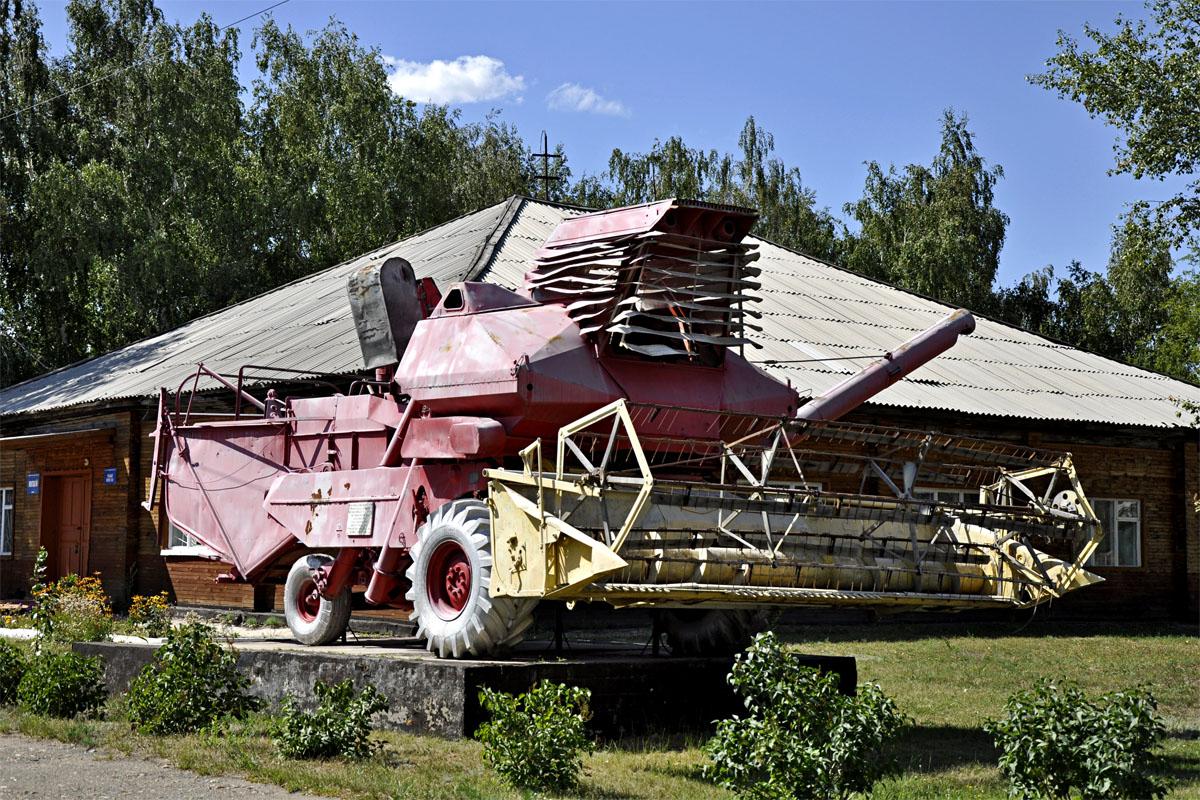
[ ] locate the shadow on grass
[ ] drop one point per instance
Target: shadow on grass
(588, 789)
(936, 748)
(929, 749)
(807, 636)
(1182, 768)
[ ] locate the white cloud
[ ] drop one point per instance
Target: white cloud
(573, 97)
(466, 79)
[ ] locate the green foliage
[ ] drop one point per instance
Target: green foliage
(1056, 742)
(62, 684)
(340, 726)
(801, 737)
(1141, 79)
(155, 195)
(42, 613)
(534, 739)
(932, 229)
(12, 668)
(150, 615)
(191, 683)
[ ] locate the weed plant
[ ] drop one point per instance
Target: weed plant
(801, 738)
(534, 740)
(12, 669)
(1055, 742)
(340, 725)
(62, 684)
(192, 682)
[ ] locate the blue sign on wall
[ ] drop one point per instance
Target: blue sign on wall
(110, 476)
(33, 484)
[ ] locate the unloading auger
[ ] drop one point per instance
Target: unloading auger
(598, 436)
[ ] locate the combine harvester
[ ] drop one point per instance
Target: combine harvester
(597, 436)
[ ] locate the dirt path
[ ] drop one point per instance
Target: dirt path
(55, 771)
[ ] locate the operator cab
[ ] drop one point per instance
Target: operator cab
(471, 297)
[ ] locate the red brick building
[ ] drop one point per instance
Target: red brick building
(75, 458)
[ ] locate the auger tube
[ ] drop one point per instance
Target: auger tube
(916, 352)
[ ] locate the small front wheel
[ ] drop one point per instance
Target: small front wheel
(313, 619)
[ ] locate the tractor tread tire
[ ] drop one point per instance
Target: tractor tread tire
(485, 624)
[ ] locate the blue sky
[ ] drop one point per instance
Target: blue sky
(836, 83)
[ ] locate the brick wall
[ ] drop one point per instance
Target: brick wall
(15, 568)
(123, 534)
(1191, 483)
(1141, 474)
(109, 549)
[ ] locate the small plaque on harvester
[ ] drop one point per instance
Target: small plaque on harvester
(360, 519)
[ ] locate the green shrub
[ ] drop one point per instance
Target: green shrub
(274, 622)
(534, 739)
(1055, 742)
(801, 738)
(340, 726)
(192, 682)
(12, 668)
(62, 684)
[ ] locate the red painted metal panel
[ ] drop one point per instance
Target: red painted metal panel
(217, 477)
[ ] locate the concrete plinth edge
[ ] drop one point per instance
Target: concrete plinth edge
(632, 694)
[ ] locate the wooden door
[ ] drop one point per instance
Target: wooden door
(68, 504)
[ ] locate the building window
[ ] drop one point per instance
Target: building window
(182, 543)
(947, 496)
(6, 521)
(1122, 542)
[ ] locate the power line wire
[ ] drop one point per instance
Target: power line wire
(128, 67)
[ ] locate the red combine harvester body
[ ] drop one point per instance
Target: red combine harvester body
(626, 334)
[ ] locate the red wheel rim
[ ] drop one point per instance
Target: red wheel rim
(308, 602)
(448, 580)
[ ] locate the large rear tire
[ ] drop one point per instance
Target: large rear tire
(450, 574)
(313, 619)
(713, 632)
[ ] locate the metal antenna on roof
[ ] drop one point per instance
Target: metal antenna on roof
(546, 177)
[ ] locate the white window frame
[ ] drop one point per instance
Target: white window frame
(935, 495)
(1112, 555)
(8, 497)
(182, 543)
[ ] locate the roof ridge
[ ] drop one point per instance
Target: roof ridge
(979, 314)
(189, 323)
(487, 248)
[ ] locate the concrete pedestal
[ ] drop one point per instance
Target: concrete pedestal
(633, 692)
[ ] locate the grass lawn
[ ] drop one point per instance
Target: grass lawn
(949, 678)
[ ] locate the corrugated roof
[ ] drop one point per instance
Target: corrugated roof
(811, 310)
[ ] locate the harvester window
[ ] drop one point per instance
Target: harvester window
(6, 521)
(1122, 543)
(454, 300)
